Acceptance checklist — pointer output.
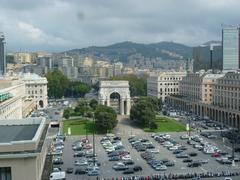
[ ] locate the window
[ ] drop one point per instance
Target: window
(5, 173)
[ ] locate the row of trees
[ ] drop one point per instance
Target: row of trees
(84, 108)
(144, 110)
(59, 85)
(138, 85)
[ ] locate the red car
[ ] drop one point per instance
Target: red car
(87, 146)
(216, 154)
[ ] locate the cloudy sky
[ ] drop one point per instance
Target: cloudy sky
(56, 25)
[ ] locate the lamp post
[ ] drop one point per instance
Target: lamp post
(189, 120)
(93, 140)
(86, 134)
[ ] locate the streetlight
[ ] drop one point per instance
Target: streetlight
(86, 133)
(93, 139)
(189, 122)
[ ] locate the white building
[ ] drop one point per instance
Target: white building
(36, 88)
(164, 84)
(11, 98)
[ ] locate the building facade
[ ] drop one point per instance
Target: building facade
(2, 56)
(23, 58)
(36, 88)
(207, 57)
(231, 47)
(224, 104)
(11, 99)
(164, 84)
(23, 148)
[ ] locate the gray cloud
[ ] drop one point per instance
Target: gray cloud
(57, 25)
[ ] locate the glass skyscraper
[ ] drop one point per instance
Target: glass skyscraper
(2, 55)
(230, 41)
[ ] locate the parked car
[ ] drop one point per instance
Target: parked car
(216, 154)
(57, 161)
(137, 168)
(188, 160)
(128, 162)
(194, 164)
(80, 171)
(69, 170)
(128, 171)
(181, 155)
(161, 168)
(114, 158)
(192, 154)
(119, 166)
(93, 172)
(169, 163)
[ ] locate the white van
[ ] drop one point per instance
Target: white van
(58, 175)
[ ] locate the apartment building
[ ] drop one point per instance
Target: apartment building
(164, 84)
(220, 100)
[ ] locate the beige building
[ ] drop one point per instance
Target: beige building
(36, 88)
(224, 104)
(164, 84)
(208, 85)
(23, 148)
(24, 58)
(199, 86)
(11, 98)
(20, 95)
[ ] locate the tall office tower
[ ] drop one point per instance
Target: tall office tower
(231, 42)
(2, 55)
(207, 56)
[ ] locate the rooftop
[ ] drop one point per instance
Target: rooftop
(10, 133)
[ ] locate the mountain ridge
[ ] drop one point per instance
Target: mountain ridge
(123, 51)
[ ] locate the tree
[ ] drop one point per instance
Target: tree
(156, 103)
(57, 84)
(143, 112)
(77, 89)
(93, 104)
(106, 118)
(82, 108)
(66, 113)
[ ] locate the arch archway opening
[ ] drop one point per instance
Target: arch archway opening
(115, 101)
(41, 104)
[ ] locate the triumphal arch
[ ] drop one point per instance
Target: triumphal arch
(115, 94)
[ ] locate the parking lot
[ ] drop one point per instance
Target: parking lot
(125, 131)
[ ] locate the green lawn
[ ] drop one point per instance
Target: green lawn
(78, 126)
(167, 125)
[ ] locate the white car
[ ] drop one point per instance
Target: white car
(185, 136)
(173, 148)
(110, 149)
(167, 144)
(81, 163)
(126, 157)
(58, 175)
(155, 151)
(161, 168)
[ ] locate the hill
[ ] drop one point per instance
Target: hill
(122, 51)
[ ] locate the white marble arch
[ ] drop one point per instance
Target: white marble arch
(106, 88)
